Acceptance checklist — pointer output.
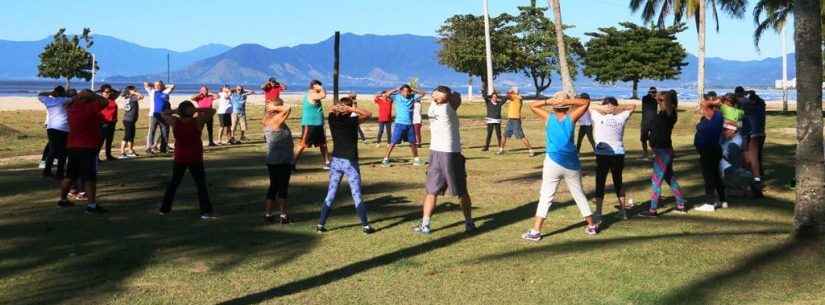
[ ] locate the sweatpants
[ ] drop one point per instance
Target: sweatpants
(714, 186)
(381, 127)
(338, 168)
(585, 130)
(663, 171)
(56, 150)
(491, 127)
(613, 164)
(199, 175)
(551, 175)
(155, 123)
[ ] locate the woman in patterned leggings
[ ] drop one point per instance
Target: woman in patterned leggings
(662, 146)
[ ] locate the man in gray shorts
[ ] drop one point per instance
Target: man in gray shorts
(514, 116)
(447, 166)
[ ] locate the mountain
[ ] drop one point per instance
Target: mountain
(115, 57)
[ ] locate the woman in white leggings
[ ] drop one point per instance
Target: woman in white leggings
(562, 159)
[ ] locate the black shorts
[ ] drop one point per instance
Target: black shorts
(279, 176)
(646, 132)
(128, 131)
(313, 136)
(82, 164)
(226, 119)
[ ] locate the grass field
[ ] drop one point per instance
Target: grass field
(742, 255)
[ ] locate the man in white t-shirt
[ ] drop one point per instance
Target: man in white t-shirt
(447, 170)
(585, 128)
(609, 120)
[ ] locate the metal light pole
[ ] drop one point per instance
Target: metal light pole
(94, 73)
(784, 69)
(488, 49)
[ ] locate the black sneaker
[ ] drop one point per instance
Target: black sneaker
(320, 229)
(269, 219)
(470, 227)
(649, 214)
(65, 204)
(96, 210)
(285, 220)
(368, 229)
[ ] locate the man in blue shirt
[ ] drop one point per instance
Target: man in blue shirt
(159, 93)
(403, 100)
(238, 101)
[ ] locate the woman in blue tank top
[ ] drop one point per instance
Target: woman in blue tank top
(562, 160)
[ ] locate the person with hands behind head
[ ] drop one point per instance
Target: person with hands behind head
(272, 90)
(514, 120)
(706, 141)
(312, 123)
(57, 130)
(404, 99)
(609, 121)
(186, 123)
(382, 100)
(562, 159)
(158, 94)
(131, 113)
(344, 118)
(662, 145)
(205, 100)
(279, 157)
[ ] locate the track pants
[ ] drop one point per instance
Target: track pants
(551, 175)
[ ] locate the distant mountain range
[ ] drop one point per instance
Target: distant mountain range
(367, 61)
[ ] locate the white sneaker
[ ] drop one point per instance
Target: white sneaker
(42, 165)
(724, 204)
(707, 207)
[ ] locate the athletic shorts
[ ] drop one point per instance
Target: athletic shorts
(313, 136)
(129, 131)
(514, 129)
(82, 164)
(279, 175)
(226, 119)
(646, 132)
(447, 172)
(402, 132)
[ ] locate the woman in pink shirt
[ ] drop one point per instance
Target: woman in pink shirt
(204, 99)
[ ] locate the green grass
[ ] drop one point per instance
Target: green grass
(742, 255)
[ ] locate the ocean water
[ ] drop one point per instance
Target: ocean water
(686, 93)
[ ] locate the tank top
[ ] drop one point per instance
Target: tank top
(559, 141)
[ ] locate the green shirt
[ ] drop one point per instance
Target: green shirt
(732, 113)
(312, 113)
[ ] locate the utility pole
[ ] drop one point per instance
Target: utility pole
(336, 67)
(784, 68)
(488, 49)
(168, 69)
(94, 73)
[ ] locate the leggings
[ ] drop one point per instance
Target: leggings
(107, 130)
(613, 164)
(279, 175)
(585, 130)
(199, 175)
(551, 175)
(714, 187)
(338, 168)
(56, 150)
(490, 128)
(663, 171)
(381, 127)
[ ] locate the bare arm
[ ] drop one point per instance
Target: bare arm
(538, 108)
(363, 114)
(146, 86)
(169, 89)
(317, 94)
(581, 105)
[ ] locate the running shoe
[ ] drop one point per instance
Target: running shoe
(681, 208)
(42, 164)
(724, 204)
(82, 196)
(422, 229)
(531, 236)
(368, 229)
(208, 217)
(123, 157)
(649, 213)
(212, 144)
(470, 227)
(284, 220)
(132, 155)
(65, 204)
(326, 166)
(707, 207)
(417, 162)
(591, 230)
(269, 219)
(320, 229)
(499, 152)
(532, 153)
(385, 163)
(96, 210)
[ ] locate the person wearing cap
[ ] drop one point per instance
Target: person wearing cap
(585, 128)
(706, 141)
(609, 120)
(662, 144)
(649, 110)
(514, 127)
(561, 161)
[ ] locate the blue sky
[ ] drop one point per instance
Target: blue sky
(185, 24)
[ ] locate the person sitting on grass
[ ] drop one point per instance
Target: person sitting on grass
(493, 103)
(514, 122)
(662, 144)
(186, 124)
(382, 100)
(280, 152)
(609, 121)
(561, 161)
(82, 146)
(447, 166)
(403, 99)
(344, 118)
(312, 123)
(131, 113)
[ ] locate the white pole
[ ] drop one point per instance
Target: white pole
(470, 89)
(784, 69)
(93, 71)
(489, 49)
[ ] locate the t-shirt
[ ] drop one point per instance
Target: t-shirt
(312, 113)
(84, 124)
(224, 105)
(649, 110)
(272, 93)
(344, 129)
(403, 108)
(56, 116)
(160, 102)
(662, 130)
(608, 131)
(755, 116)
(384, 109)
(204, 101)
(708, 132)
(188, 144)
(493, 110)
(238, 103)
(732, 113)
(109, 113)
(416, 118)
(585, 119)
(444, 128)
(279, 145)
(559, 142)
(514, 109)
(131, 109)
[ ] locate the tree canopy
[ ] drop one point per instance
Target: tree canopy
(66, 58)
(634, 53)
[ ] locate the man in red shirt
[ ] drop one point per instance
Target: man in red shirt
(108, 120)
(382, 100)
(82, 146)
(272, 90)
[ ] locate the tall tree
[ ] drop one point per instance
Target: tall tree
(809, 213)
(634, 53)
(566, 78)
(696, 9)
(462, 45)
(66, 58)
(538, 53)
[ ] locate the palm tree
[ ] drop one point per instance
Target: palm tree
(679, 9)
(566, 78)
(809, 212)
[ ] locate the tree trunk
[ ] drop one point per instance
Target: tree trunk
(635, 90)
(809, 213)
(700, 76)
(564, 70)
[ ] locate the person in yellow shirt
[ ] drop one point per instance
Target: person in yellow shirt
(514, 117)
